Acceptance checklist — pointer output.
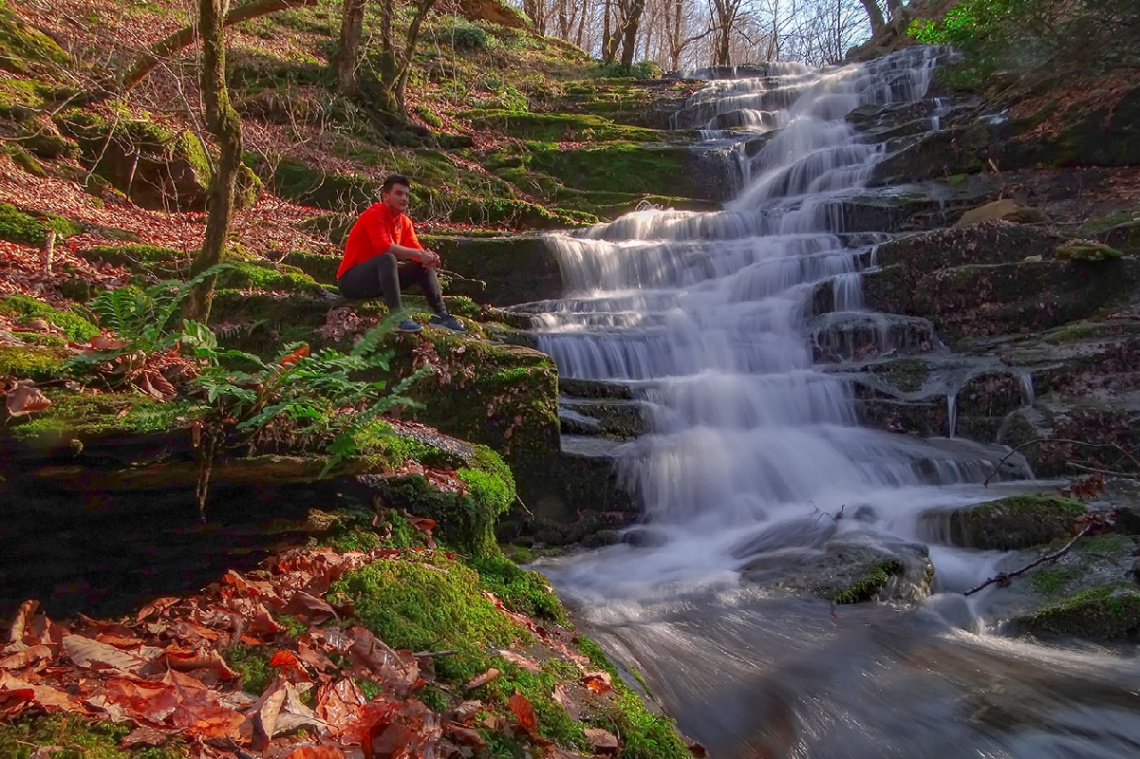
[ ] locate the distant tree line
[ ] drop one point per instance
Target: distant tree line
(678, 34)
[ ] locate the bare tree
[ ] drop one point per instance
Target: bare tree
(347, 60)
(725, 14)
(225, 125)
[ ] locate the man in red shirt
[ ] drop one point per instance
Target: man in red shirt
(383, 256)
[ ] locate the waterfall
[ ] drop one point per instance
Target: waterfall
(706, 313)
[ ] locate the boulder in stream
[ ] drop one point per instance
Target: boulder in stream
(1011, 523)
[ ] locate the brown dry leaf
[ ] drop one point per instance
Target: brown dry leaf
(562, 695)
(25, 399)
(26, 658)
(309, 608)
(44, 696)
(525, 712)
(316, 752)
(598, 682)
(152, 702)
(145, 735)
(520, 659)
(279, 710)
(199, 712)
(158, 607)
(550, 751)
(396, 669)
(466, 711)
(483, 679)
(603, 741)
(21, 622)
(85, 652)
(314, 657)
(394, 741)
(340, 704)
(466, 735)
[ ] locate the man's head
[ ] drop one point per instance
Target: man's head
(394, 193)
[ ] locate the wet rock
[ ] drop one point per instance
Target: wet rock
(851, 569)
(611, 417)
(644, 537)
(1108, 612)
(521, 267)
(808, 532)
(957, 150)
(1090, 431)
(579, 388)
(1085, 250)
(865, 513)
(991, 243)
(1001, 210)
(845, 336)
(1007, 524)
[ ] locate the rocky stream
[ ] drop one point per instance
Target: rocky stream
(814, 394)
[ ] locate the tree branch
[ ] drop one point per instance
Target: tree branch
(1027, 443)
(1003, 578)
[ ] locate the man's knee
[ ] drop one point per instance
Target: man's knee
(388, 261)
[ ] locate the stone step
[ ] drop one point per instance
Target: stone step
(581, 388)
(609, 417)
(846, 336)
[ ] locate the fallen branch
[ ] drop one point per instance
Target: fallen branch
(1003, 578)
(1027, 443)
(445, 272)
(1109, 472)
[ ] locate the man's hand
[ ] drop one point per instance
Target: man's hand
(429, 259)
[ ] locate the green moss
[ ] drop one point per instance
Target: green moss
(644, 735)
(537, 687)
(74, 738)
(252, 664)
(1015, 522)
(908, 374)
(430, 604)
(294, 627)
(622, 167)
(27, 308)
(39, 364)
(1051, 581)
(522, 591)
(23, 49)
(265, 276)
(165, 263)
(297, 181)
(866, 587)
(73, 416)
(321, 268)
(1108, 612)
(557, 127)
(24, 228)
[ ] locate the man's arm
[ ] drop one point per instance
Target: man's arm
(428, 258)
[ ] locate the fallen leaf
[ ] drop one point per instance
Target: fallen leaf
(145, 736)
(523, 661)
(284, 659)
(44, 696)
(316, 752)
(562, 695)
(466, 710)
(603, 741)
(26, 658)
(85, 652)
(525, 712)
(598, 682)
(295, 356)
(309, 608)
(466, 735)
(26, 399)
(483, 679)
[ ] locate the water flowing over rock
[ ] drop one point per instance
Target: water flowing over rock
(748, 339)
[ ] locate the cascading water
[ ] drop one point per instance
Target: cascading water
(705, 316)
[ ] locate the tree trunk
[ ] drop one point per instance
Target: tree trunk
(608, 47)
(895, 7)
(629, 31)
(874, 14)
(166, 47)
(348, 57)
(225, 125)
(394, 68)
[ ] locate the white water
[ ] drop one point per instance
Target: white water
(705, 316)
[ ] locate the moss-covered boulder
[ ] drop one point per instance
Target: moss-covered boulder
(1109, 613)
(28, 228)
(138, 258)
(31, 362)
(1001, 210)
(558, 127)
(24, 49)
(1007, 524)
(301, 183)
(847, 571)
(26, 309)
(508, 269)
(1048, 429)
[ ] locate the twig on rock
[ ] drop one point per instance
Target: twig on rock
(1027, 443)
(1003, 578)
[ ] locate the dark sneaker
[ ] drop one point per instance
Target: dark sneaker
(407, 325)
(447, 321)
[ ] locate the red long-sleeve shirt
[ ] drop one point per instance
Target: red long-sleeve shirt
(374, 233)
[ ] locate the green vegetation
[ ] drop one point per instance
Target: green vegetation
(24, 228)
(525, 592)
(1108, 612)
(252, 664)
(1029, 35)
(24, 49)
(1016, 522)
(39, 364)
(78, 416)
(907, 374)
(142, 259)
(867, 586)
(76, 328)
(75, 738)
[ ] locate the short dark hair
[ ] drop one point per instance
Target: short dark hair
(394, 179)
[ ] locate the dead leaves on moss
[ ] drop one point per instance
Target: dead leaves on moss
(162, 671)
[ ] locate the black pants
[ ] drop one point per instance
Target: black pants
(382, 276)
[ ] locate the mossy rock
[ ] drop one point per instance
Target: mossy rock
(154, 166)
(83, 417)
(295, 180)
(22, 227)
(1085, 250)
(333, 226)
(24, 49)
(322, 268)
(619, 167)
(465, 521)
(30, 362)
(165, 263)
(1013, 523)
(515, 268)
(24, 160)
(27, 308)
(557, 127)
(266, 276)
(907, 374)
(1109, 612)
